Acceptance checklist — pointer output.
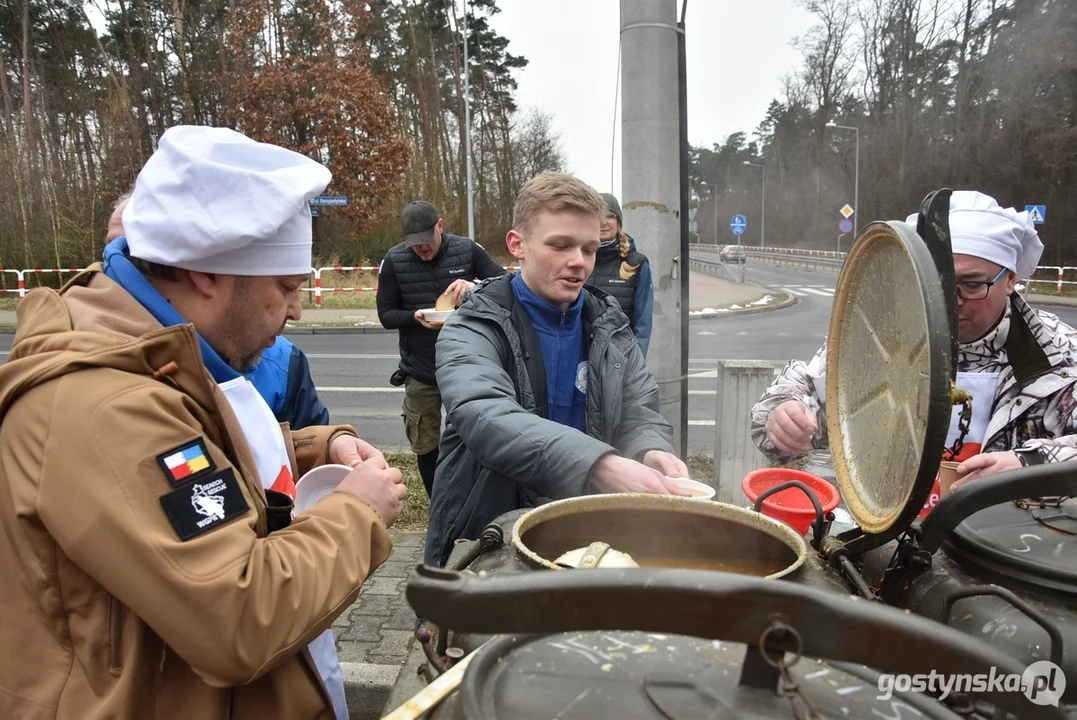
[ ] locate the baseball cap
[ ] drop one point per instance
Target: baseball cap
(417, 223)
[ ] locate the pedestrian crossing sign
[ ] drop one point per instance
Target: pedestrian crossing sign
(1037, 213)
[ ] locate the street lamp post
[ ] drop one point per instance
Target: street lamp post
(714, 194)
(763, 222)
(856, 181)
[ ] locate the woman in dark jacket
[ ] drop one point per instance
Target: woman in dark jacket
(624, 272)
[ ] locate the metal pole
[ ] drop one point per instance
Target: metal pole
(856, 176)
(653, 186)
(714, 194)
(856, 187)
(467, 135)
(763, 222)
(685, 251)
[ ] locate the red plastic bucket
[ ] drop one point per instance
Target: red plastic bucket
(792, 506)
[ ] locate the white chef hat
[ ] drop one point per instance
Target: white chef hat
(982, 228)
(213, 200)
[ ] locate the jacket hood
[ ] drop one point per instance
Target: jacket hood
(94, 323)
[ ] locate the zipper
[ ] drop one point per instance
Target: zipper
(115, 634)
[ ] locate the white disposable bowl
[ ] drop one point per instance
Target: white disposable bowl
(705, 492)
(431, 315)
(318, 483)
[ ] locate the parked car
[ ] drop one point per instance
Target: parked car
(732, 253)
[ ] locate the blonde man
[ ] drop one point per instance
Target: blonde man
(547, 393)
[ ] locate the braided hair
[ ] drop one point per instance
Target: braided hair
(627, 270)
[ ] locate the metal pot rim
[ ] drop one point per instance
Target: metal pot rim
(626, 501)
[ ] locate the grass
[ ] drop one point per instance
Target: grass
(1049, 286)
(416, 510)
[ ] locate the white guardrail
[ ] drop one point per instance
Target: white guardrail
(1057, 274)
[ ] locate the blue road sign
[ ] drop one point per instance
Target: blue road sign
(315, 212)
(845, 226)
(738, 224)
(330, 200)
(1038, 213)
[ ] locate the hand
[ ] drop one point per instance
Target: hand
(350, 450)
(421, 319)
(615, 474)
(457, 290)
(666, 463)
(984, 464)
(381, 488)
(791, 427)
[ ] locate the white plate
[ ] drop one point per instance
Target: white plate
(432, 316)
(318, 483)
(707, 492)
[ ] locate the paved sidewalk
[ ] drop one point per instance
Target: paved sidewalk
(374, 634)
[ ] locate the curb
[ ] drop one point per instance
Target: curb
(789, 301)
(367, 687)
(1050, 301)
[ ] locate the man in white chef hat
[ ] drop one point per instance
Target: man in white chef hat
(152, 522)
(1017, 362)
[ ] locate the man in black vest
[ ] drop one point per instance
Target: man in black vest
(414, 274)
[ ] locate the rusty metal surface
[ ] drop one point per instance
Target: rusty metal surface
(887, 374)
(717, 606)
(743, 531)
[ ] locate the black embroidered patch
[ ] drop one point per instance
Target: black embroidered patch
(200, 506)
(186, 462)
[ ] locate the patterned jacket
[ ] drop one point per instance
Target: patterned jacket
(1035, 403)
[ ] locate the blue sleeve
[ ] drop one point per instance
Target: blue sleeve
(302, 406)
(270, 375)
(643, 307)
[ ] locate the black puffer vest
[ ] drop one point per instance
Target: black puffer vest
(421, 283)
(607, 275)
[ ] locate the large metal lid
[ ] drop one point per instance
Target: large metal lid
(888, 377)
(1025, 548)
(640, 676)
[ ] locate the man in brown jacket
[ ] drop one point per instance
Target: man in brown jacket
(151, 564)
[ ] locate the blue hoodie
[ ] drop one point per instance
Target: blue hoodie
(560, 334)
(283, 378)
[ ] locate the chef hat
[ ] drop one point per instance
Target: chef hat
(215, 201)
(980, 227)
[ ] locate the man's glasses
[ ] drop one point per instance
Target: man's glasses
(977, 290)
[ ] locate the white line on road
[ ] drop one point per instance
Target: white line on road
(348, 356)
(798, 293)
(349, 389)
(824, 293)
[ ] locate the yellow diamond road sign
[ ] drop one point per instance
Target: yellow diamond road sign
(846, 211)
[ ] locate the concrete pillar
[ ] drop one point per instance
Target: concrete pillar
(740, 385)
(650, 183)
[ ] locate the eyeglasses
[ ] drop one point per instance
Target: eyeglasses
(977, 290)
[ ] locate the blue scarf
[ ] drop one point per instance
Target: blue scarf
(560, 335)
(118, 267)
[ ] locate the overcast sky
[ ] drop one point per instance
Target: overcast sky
(738, 53)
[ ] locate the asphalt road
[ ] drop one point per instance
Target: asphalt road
(352, 371)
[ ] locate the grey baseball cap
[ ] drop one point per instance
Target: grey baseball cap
(417, 223)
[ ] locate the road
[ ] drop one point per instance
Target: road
(352, 371)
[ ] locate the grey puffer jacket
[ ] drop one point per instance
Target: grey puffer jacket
(498, 452)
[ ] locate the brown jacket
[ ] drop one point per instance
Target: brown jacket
(107, 613)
